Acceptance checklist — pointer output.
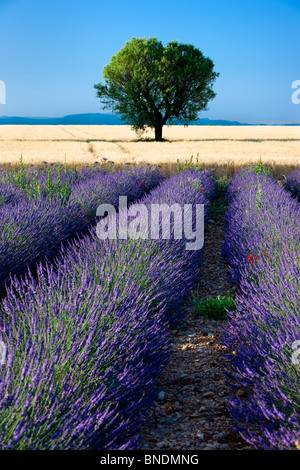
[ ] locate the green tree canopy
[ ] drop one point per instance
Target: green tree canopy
(149, 84)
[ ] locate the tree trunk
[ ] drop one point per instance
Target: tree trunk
(158, 132)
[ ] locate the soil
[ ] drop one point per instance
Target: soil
(190, 412)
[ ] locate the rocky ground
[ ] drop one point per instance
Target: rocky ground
(190, 412)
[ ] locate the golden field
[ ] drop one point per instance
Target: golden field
(86, 144)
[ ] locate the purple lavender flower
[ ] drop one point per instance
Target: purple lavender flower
(89, 335)
(262, 246)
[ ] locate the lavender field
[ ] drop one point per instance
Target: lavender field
(87, 324)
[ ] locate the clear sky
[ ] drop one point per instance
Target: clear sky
(52, 53)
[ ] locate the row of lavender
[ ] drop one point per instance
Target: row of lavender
(10, 193)
(32, 229)
(87, 340)
(262, 246)
(32, 183)
(292, 183)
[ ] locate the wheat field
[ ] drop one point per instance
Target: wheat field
(86, 144)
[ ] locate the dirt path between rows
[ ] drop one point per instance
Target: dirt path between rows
(191, 412)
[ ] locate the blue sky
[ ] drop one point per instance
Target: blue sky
(52, 53)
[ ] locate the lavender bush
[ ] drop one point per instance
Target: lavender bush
(31, 230)
(292, 183)
(10, 194)
(262, 246)
(88, 338)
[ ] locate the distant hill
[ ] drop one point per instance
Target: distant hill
(104, 119)
(72, 119)
(95, 119)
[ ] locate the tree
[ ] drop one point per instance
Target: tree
(149, 84)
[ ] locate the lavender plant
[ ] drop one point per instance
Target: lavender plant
(262, 246)
(88, 338)
(292, 183)
(31, 230)
(10, 194)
